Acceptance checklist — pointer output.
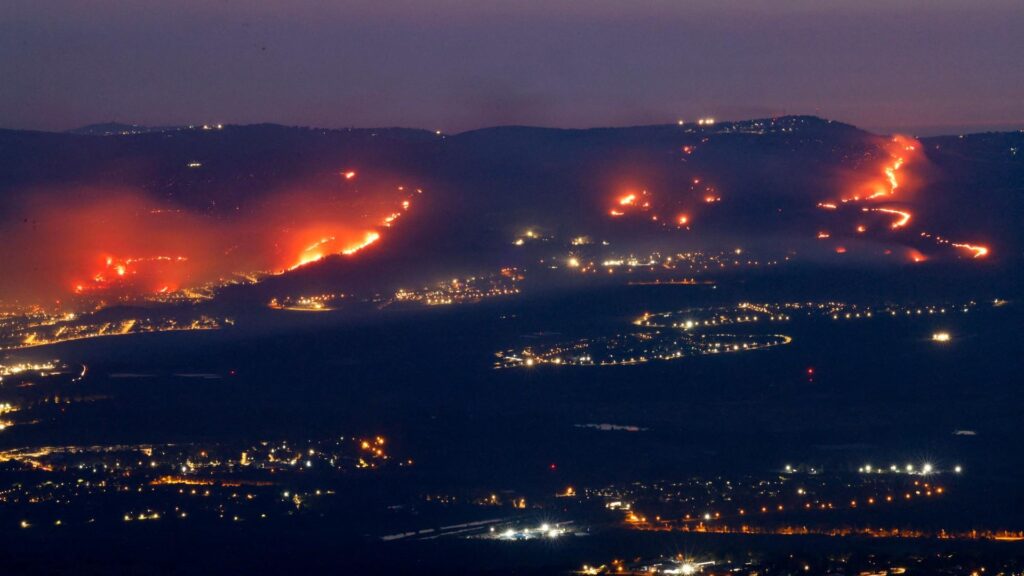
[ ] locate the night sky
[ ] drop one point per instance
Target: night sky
(923, 66)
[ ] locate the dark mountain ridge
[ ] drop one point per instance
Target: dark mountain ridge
(483, 187)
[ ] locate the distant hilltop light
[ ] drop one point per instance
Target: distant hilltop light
(706, 121)
(941, 337)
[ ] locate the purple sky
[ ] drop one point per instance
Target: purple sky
(920, 65)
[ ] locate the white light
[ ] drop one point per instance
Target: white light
(927, 468)
(958, 469)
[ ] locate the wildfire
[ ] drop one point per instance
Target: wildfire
(631, 201)
(370, 238)
(343, 243)
(390, 218)
(118, 271)
(979, 251)
(661, 213)
(318, 250)
(902, 216)
(890, 177)
(114, 245)
(890, 170)
(900, 149)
